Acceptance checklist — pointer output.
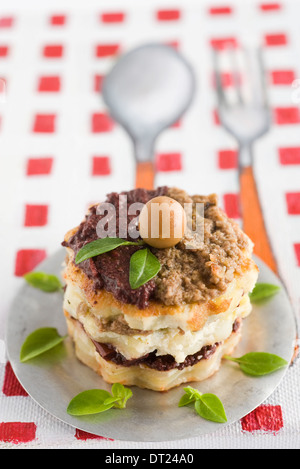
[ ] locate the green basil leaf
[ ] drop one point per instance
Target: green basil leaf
(190, 396)
(118, 390)
(90, 402)
(111, 400)
(263, 291)
(43, 281)
(100, 246)
(210, 407)
(143, 267)
(122, 394)
(192, 392)
(259, 363)
(39, 342)
(186, 400)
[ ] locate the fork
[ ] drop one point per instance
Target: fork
(246, 116)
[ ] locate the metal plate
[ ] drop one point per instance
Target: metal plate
(53, 379)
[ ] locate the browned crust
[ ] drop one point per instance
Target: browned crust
(101, 299)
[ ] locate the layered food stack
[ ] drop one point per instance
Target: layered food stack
(175, 327)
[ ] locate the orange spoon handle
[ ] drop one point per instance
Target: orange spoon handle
(144, 175)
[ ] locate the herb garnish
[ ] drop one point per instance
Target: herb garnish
(258, 363)
(42, 281)
(95, 401)
(40, 341)
(143, 267)
(102, 245)
(208, 406)
(263, 291)
(143, 264)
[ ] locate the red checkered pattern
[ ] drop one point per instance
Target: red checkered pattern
(53, 51)
(58, 20)
(36, 215)
(49, 83)
(44, 123)
(39, 166)
(266, 418)
(66, 151)
(113, 17)
(101, 123)
(101, 166)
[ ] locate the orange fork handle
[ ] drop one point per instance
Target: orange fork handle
(255, 228)
(253, 221)
(145, 175)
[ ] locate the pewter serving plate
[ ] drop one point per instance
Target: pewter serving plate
(54, 378)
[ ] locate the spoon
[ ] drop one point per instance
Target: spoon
(148, 90)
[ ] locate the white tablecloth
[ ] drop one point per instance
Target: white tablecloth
(59, 151)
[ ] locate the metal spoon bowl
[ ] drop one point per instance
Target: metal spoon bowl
(148, 90)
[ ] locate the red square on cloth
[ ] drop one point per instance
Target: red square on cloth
(168, 15)
(27, 260)
(297, 252)
(293, 203)
(112, 17)
(98, 79)
(39, 166)
(232, 205)
(58, 20)
(36, 215)
(53, 51)
(17, 432)
(222, 43)
(228, 159)
(44, 123)
(107, 50)
(11, 386)
(270, 6)
(101, 123)
(169, 162)
(289, 155)
(282, 77)
(101, 166)
(223, 10)
(267, 418)
(4, 51)
(227, 79)
(49, 84)
(279, 39)
(287, 115)
(6, 21)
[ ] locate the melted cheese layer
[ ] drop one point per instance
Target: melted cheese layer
(166, 341)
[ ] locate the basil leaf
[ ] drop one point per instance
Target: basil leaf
(143, 267)
(259, 363)
(95, 401)
(191, 396)
(39, 342)
(186, 400)
(100, 246)
(192, 392)
(111, 400)
(210, 407)
(122, 394)
(43, 281)
(263, 291)
(90, 402)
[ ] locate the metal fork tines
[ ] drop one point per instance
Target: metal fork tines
(243, 107)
